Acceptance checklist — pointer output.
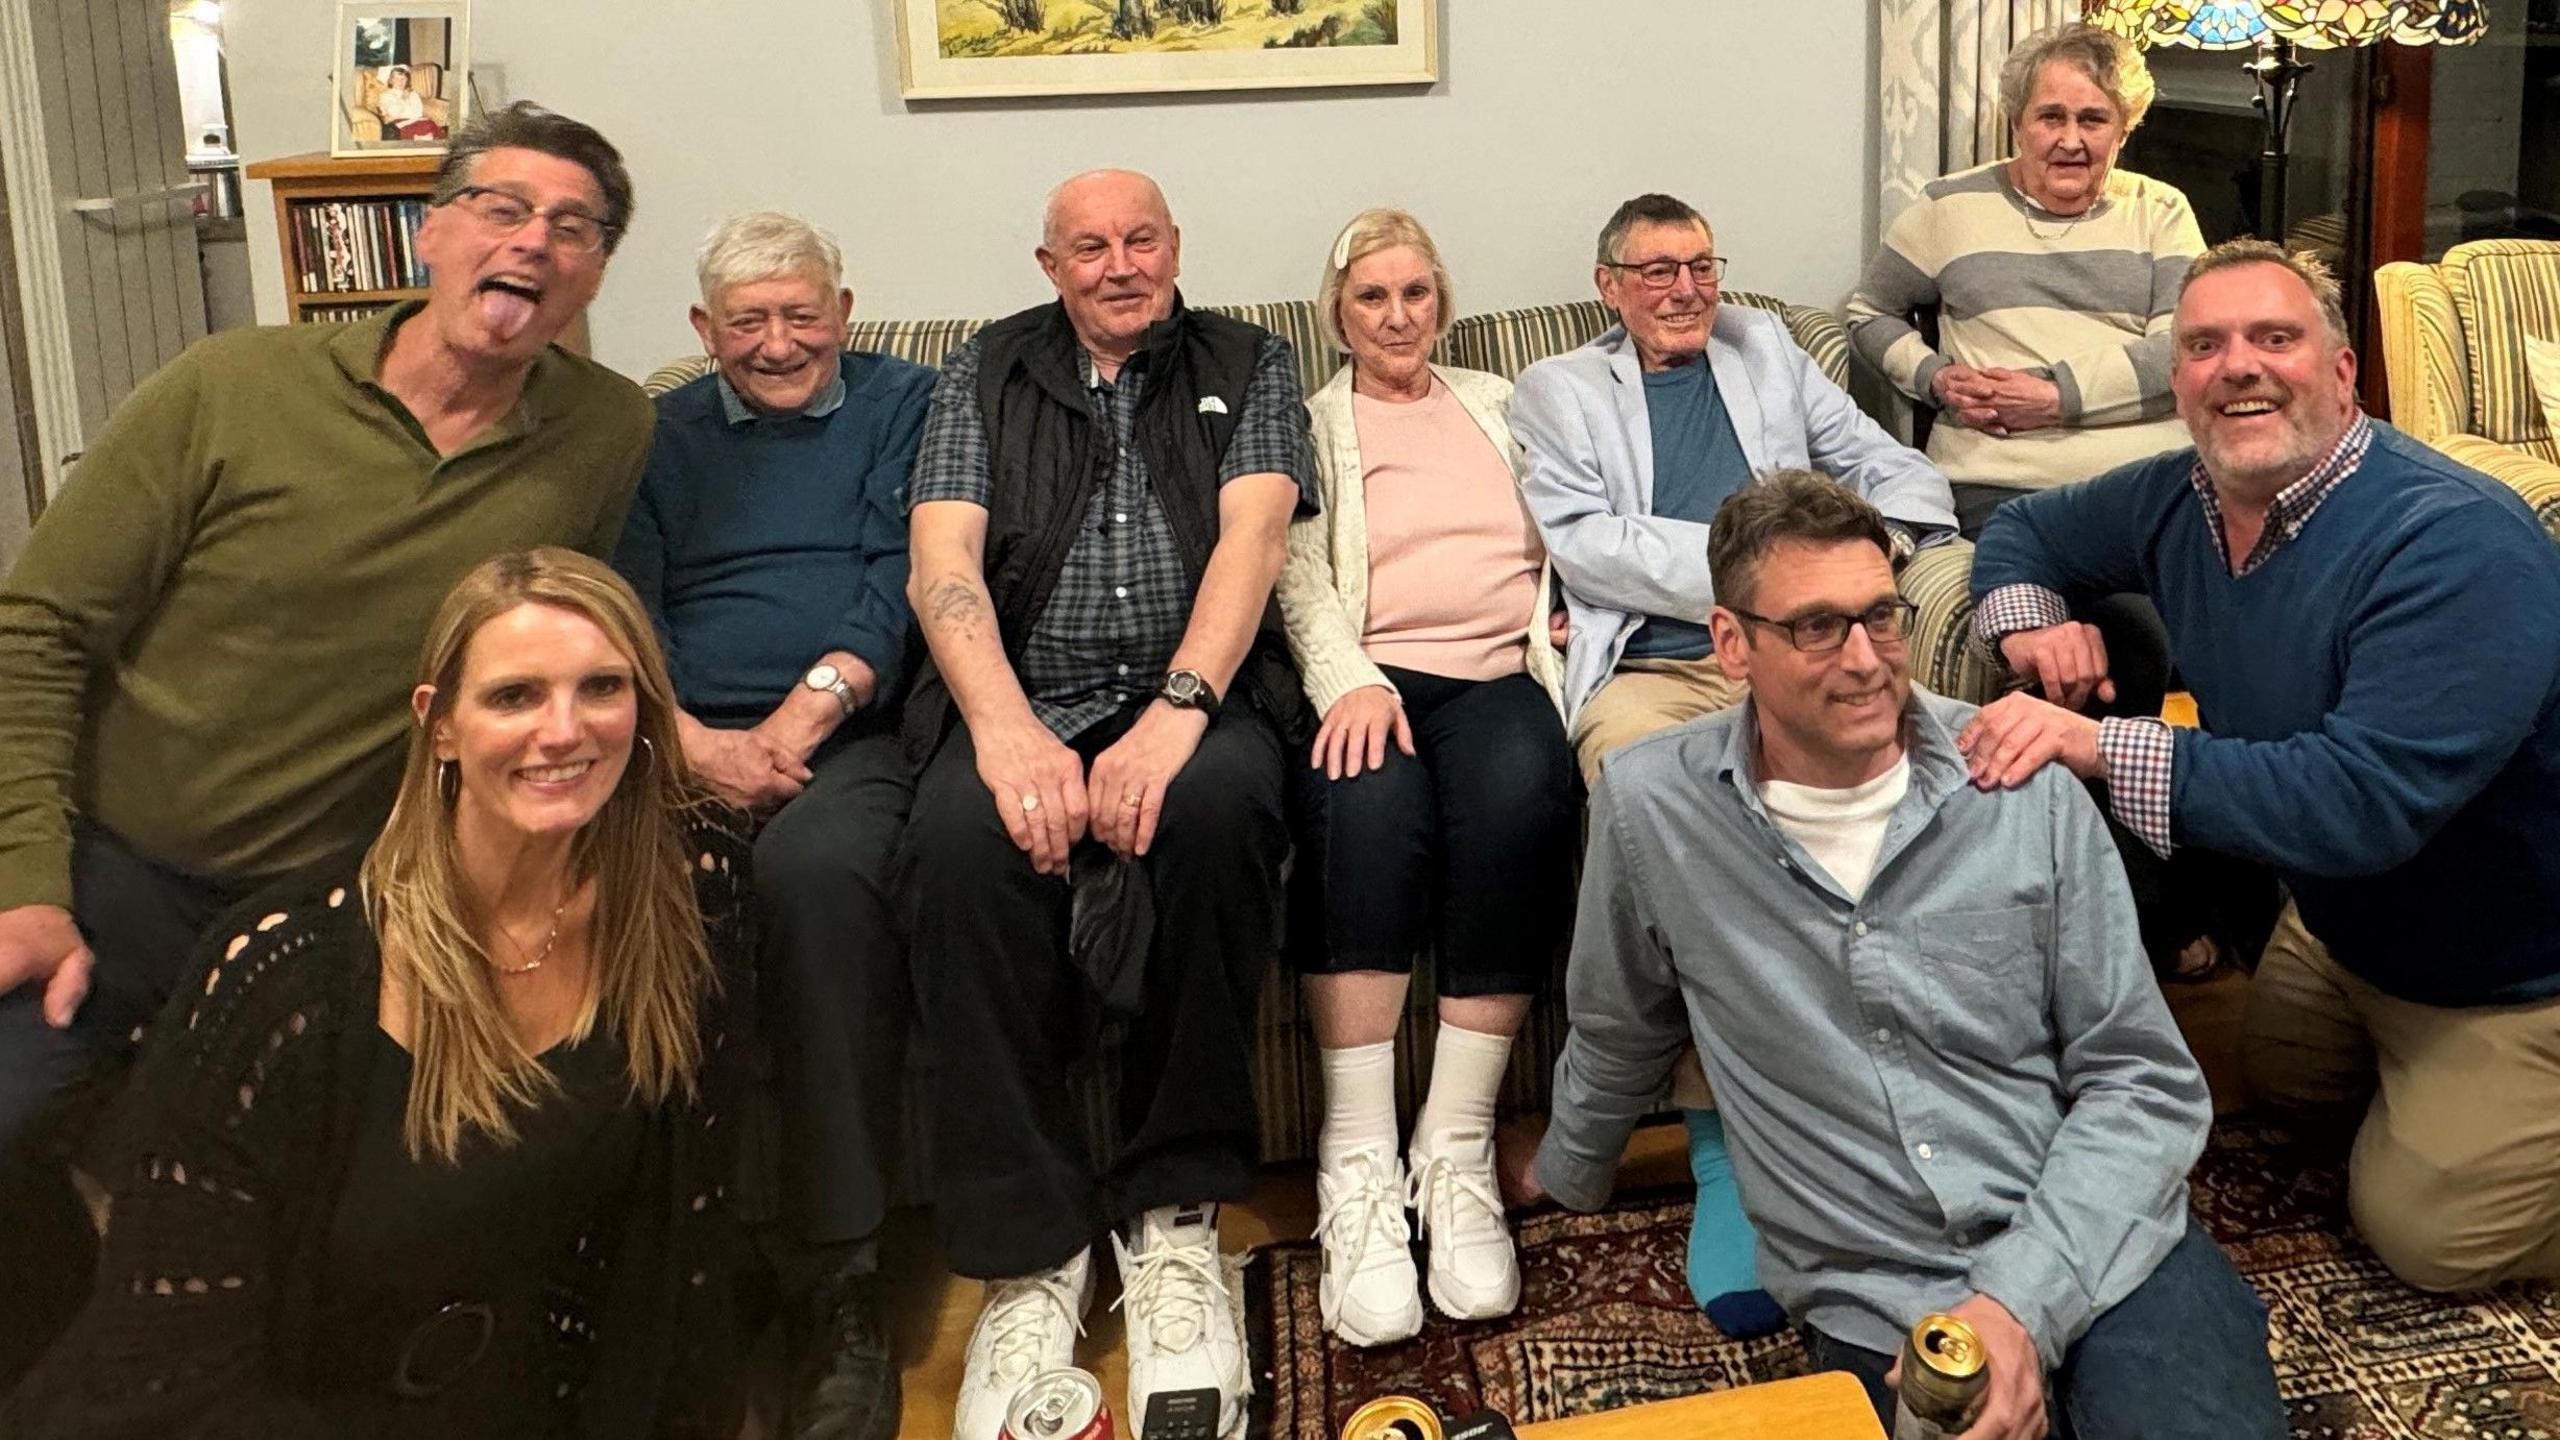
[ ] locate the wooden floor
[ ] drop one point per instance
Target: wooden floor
(935, 1309)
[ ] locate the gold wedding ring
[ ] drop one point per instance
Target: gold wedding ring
(1030, 803)
(1132, 801)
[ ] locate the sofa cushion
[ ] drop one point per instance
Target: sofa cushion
(2542, 370)
(1507, 342)
(1504, 342)
(2506, 290)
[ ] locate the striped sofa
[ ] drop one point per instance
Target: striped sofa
(1287, 1080)
(2453, 351)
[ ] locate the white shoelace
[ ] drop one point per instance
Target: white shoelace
(1368, 1211)
(1438, 1187)
(1019, 1322)
(1171, 1290)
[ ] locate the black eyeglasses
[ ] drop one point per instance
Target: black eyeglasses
(1706, 270)
(1888, 623)
(576, 230)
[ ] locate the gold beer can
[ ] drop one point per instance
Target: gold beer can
(1944, 1371)
(1393, 1417)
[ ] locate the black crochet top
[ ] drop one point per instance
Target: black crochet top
(215, 1313)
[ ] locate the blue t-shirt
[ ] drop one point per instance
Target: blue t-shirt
(1697, 462)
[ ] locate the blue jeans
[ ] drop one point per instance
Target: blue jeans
(2184, 1357)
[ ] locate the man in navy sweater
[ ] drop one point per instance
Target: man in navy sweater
(2368, 628)
(769, 542)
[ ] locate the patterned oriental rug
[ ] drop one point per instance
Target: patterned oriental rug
(1605, 1320)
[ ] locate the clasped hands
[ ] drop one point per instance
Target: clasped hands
(1997, 401)
(2016, 735)
(753, 769)
(1049, 800)
(765, 766)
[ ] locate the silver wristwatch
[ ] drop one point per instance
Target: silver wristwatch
(828, 678)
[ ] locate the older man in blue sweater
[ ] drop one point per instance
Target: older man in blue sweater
(769, 542)
(2368, 628)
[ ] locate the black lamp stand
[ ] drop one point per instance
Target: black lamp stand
(2278, 69)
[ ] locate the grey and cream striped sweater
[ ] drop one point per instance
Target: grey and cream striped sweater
(2085, 301)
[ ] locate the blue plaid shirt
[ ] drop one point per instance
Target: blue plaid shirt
(1123, 598)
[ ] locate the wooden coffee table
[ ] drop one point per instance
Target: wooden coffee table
(1829, 1406)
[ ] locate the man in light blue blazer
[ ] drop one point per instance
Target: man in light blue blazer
(1630, 442)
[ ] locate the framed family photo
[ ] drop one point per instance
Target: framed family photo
(401, 80)
(956, 49)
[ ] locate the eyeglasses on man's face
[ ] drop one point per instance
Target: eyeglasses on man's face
(1704, 271)
(572, 228)
(1888, 622)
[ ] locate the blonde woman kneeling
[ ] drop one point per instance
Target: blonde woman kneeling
(426, 1147)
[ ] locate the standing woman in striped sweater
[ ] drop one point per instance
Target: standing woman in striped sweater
(2053, 276)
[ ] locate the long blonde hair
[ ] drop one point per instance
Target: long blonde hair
(651, 967)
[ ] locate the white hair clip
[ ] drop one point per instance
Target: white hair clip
(1342, 245)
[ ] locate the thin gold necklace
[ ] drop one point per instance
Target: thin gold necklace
(2069, 222)
(548, 942)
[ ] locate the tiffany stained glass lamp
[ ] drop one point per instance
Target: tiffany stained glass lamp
(2278, 31)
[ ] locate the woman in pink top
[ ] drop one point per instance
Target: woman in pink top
(1436, 811)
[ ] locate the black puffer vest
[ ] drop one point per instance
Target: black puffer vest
(1048, 454)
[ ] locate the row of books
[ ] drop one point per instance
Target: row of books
(351, 245)
(354, 310)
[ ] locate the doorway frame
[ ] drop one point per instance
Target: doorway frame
(34, 247)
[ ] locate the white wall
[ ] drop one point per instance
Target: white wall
(1547, 114)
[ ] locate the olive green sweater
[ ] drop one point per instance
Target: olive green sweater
(208, 645)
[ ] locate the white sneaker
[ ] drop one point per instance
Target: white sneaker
(1369, 1295)
(1182, 1330)
(1474, 1273)
(1029, 1325)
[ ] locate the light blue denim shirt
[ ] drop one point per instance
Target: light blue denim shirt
(1964, 1081)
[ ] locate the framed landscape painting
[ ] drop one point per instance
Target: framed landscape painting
(953, 49)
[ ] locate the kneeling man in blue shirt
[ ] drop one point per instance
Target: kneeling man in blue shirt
(1946, 1075)
(2368, 627)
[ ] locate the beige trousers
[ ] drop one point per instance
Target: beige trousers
(1643, 696)
(2454, 1177)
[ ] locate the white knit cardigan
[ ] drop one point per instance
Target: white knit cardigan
(1324, 587)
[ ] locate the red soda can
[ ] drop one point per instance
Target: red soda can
(1062, 1404)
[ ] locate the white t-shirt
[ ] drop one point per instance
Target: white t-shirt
(400, 106)
(1841, 829)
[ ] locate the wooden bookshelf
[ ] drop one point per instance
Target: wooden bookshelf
(317, 179)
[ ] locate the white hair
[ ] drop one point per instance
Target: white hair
(765, 245)
(2110, 61)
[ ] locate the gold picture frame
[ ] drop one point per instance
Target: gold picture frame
(970, 49)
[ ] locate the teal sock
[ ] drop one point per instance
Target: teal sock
(1723, 1272)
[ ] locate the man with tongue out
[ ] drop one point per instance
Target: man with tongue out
(207, 646)
(2368, 629)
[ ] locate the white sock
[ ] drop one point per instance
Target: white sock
(1466, 1076)
(1359, 1100)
